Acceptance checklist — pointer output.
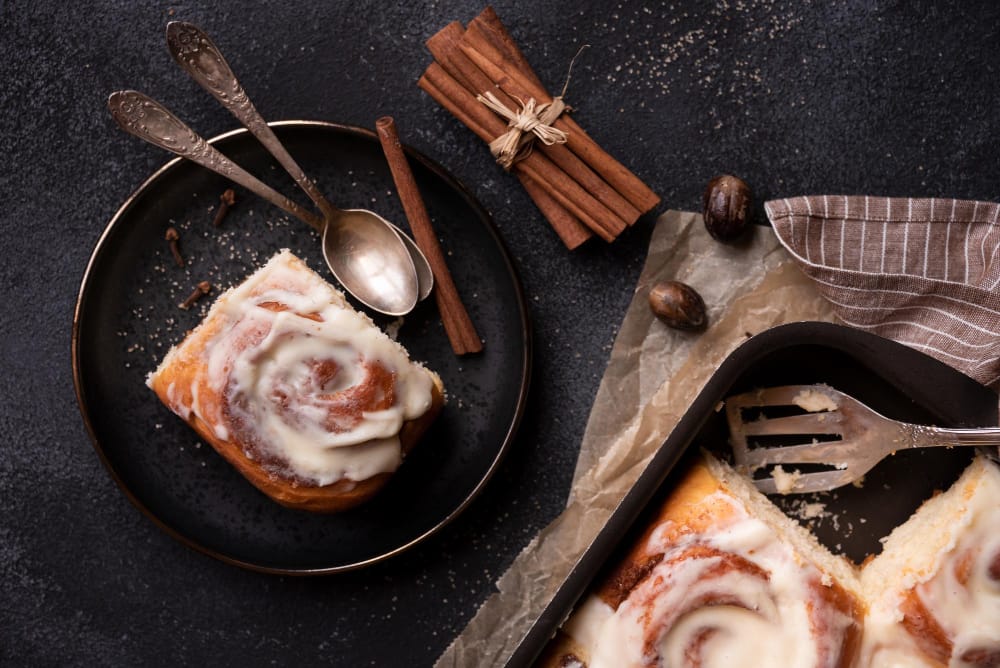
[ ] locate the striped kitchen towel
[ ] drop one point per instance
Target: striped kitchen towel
(924, 272)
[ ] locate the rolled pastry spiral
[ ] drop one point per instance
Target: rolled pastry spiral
(725, 598)
(721, 578)
(954, 618)
(286, 380)
(718, 579)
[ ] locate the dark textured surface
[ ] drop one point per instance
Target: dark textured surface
(891, 98)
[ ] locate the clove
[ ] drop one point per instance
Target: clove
(226, 200)
(203, 288)
(173, 236)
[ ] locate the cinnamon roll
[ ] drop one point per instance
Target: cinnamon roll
(305, 396)
(720, 578)
(935, 589)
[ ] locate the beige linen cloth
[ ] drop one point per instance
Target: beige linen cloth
(921, 271)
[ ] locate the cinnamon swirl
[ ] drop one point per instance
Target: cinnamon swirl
(305, 396)
(720, 578)
(935, 589)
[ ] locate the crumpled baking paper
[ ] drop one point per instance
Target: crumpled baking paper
(654, 374)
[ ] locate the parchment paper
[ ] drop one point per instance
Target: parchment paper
(652, 377)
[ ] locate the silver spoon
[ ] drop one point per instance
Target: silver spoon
(198, 55)
(375, 267)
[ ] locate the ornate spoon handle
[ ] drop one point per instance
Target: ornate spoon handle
(147, 119)
(197, 55)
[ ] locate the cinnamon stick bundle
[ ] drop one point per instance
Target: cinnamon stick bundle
(580, 189)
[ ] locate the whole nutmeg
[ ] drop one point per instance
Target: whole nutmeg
(726, 207)
(678, 305)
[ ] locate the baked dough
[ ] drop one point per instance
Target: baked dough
(721, 577)
(934, 591)
(304, 395)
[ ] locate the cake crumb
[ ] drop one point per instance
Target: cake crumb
(785, 481)
(813, 510)
(392, 329)
(814, 401)
(805, 510)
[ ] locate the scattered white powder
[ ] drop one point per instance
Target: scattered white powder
(650, 54)
(221, 255)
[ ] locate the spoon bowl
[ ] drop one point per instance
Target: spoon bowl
(355, 251)
(370, 257)
(376, 267)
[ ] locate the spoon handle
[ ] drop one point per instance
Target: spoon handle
(198, 55)
(147, 119)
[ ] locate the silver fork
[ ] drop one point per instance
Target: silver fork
(830, 429)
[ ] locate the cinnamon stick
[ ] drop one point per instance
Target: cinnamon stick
(457, 324)
(500, 38)
(488, 44)
(444, 46)
(451, 95)
(569, 228)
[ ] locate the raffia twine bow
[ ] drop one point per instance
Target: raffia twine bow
(531, 119)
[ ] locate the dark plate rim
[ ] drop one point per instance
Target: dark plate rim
(525, 372)
(906, 368)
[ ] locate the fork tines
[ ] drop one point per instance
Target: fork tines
(803, 426)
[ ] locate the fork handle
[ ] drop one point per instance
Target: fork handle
(924, 437)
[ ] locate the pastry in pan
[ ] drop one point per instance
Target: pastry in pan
(719, 577)
(934, 591)
(304, 395)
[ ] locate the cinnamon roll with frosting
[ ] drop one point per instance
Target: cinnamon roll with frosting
(935, 589)
(720, 578)
(305, 396)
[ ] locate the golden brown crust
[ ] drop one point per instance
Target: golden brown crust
(183, 380)
(690, 509)
(675, 540)
(335, 497)
(925, 629)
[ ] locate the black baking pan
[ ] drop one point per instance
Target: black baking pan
(896, 381)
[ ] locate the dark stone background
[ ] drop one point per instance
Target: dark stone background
(887, 98)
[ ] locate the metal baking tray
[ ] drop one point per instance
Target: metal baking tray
(897, 381)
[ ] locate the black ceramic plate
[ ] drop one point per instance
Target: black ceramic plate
(896, 381)
(127, 317)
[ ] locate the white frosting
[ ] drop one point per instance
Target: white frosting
(588, 620)
(295, 386)
(690, 608)
(766, 612)
(969, 611)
